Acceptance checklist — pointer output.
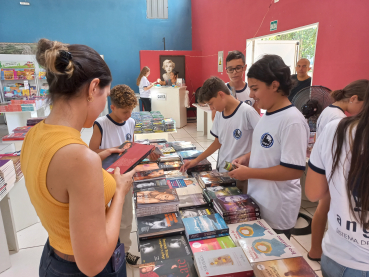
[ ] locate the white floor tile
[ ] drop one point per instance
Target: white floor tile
(205, 144)
(305, 241)
(203, 139)
(24, 263)
(32, 236)
(313, 265)
(183, 137)
(307, 204)
(301, 223)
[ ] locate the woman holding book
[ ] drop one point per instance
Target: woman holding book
(338, 167)
(64, 178)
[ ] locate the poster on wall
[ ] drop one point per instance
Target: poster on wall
(18, 48)
(172, 63)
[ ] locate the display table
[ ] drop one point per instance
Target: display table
(204, 120)
(171, 103)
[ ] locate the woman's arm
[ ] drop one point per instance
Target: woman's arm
(93, 232)
(275, 173)
(96, 139)
(316, 185)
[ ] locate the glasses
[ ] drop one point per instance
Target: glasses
(238, 68)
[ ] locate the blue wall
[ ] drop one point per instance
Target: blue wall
(117, 29)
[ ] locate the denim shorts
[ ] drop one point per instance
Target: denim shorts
(330, 268)
(51, 265)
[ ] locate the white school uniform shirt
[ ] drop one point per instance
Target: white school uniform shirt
(234, 133)
(280, 138)
(243, 94)
(329, 114)
(114, 134)
(345, 241)
(144, 83)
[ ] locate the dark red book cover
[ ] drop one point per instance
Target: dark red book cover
(134, 153)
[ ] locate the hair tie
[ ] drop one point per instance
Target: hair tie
(65, 56)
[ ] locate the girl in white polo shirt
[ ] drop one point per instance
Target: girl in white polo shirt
(144, 87)
(338, 166)
(279, 143)
(350, 99)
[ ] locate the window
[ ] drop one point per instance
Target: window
(157, 9)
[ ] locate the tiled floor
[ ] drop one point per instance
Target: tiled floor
(32, 239)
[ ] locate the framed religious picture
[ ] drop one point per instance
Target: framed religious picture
(172, 63)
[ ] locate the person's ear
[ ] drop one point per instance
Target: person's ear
(112, 107)
(275, 86)
(245, 67)
(354, 99)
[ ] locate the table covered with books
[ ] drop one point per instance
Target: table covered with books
(198, 223)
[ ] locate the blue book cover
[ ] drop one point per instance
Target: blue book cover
(190, 154)
(205, 226)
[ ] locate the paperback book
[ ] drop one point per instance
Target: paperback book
(230, 262)
(212, 244)
(146, 167)
(169, 157)
(162, 249)
(211, 193)
(167, 150)
(148, 185)
(166, 166)
(134, 153)
(214, 178)
(175, 174)
(205, 226)
(203, 165)
(190, 154)
(182, 183)
(235, 204)
(157, 140)
(194, 212)
(14, 136)
(191, 200)
(143, 176)
(182, 145)
(284, 267)
(252, 229)
(155, 226)
(179, 267)
(267, 248)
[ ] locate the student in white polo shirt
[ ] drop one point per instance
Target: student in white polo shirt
(338, 166)
(233, 124)
(350, 99)
(279, 143)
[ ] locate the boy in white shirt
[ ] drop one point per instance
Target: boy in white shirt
(111, 131)
(233, 124)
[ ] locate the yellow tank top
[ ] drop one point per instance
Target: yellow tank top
(40, 145)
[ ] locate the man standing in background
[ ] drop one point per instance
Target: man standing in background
(301, 79)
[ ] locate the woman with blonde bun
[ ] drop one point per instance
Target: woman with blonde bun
(64, 178)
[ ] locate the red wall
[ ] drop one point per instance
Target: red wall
(342, 45)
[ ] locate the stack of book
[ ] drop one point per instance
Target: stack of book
(211, 193)
(182, 145)
(203, 165)
(170, 157)
(7, 171)
(4, 187)
(212, 244)
(24, 129)
(170, 165)
(152, 122)
(189, 154)
(236, 208)
(143, 176)
(176, 267)
(150, 184)
(214, 178)
(14, 136)
(191, 196)
(193, 212)
(15, 158)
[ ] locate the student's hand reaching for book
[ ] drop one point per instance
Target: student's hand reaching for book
(241, 173)
(153, 157)
(107, 152)
(243, 160)
(124, 181)
(188, 164)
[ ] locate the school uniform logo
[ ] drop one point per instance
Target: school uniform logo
(237, 134)
(266, 140)
(248, 102)
(128, 137)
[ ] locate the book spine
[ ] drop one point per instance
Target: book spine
(242, 216)
(161, 236)
(234, 221)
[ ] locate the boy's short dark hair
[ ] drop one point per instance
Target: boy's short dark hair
(122, 96)
(210, 89)
(235, 55)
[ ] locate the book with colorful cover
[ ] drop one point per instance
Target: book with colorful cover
(229, 262)
(235, 204)
(179, 267)
(134, 153)
(149, 227)
(212, 244)
(14, 136)
(193, 212)
(257, 228)
(212, 193)
(175, 174)
(182, 183)
(191, 200)
(144, 176)
(182, 145)
(150, 184)
(189, 154)
(267, 248)
(155, 197)
(24, 129)
(170, 157)
(167, 150)
(203, 165)
(205, 226)
(166, 248)
(214, 178)
(175, 165)
(284, 267)
(147, 166)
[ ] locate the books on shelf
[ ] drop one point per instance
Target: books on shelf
(175, 165)
(212, 193)
(24, 129)
(230, 262)
(179, 267)
(14, 136)
(193, 212)
(156, 201)
(203, 165)
(161, 249)
(214, 178)
(134, 153)
(7, 171)
(189, 154)
(284, 267)
(251, 229)
(15, 158)
(154, 226)
(267, 248)
(150, 184)
(205, 226)
(212, 244)
(144, 176)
